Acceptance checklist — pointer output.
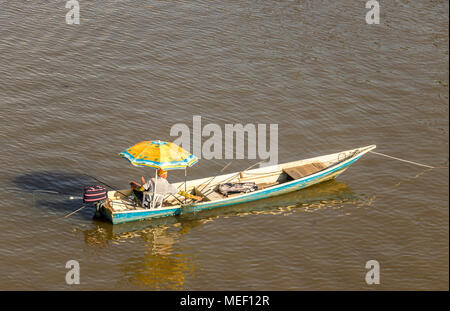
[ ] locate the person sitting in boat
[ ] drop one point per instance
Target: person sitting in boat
(163, 188)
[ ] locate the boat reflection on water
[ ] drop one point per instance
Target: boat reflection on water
(327, 194)
(151, 260)
(163, 265)
(154, 231)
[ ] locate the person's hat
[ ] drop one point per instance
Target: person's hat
(161, 172)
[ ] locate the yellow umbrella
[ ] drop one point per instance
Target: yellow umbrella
(159, 154)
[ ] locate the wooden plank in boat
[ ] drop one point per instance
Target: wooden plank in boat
(211, 195)
(301, 171)
(214, 196)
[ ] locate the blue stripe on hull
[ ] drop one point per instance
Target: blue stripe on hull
(121, 217)
(117, 218)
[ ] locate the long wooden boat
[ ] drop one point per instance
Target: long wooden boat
(271, 181)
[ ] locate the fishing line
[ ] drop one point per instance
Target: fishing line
(407, 161)
(75, 211)
(410, 178)
(427, 168)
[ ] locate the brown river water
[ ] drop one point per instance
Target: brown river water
(72, 97)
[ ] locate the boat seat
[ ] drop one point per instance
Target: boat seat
(148, 197)
(301, 171)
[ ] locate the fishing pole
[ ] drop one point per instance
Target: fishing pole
(237, 174)
(70, 197)
(106, 184)
(223, 168)
(75, 211)
(73, 197)
(184, 182)
(199, 186)
(214, 176)
(232, 177)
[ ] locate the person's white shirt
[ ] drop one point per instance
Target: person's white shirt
(163, 188)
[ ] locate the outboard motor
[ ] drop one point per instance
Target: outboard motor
(96, 195)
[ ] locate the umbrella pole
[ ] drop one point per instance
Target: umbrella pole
(154, 188)
(185, 176)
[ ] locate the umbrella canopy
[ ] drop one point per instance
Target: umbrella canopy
(159, 154)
